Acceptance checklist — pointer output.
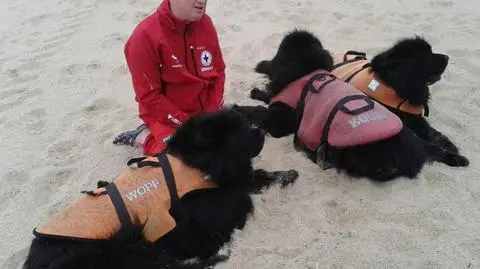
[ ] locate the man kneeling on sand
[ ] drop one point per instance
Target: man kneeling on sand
(177, 71)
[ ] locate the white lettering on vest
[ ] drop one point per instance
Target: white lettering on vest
(141, 190)
(366, 118)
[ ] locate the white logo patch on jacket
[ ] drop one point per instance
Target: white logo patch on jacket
(206, 59)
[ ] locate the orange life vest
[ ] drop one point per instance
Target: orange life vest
(354, 68)
(142, 195)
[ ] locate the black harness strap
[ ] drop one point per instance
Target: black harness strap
(339, 106)
(119, 205)
(169, 179)
(310, 87)
(176, 208)
(359, 56)
(401, 103)
(365, 66)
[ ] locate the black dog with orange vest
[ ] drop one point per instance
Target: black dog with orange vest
(183, 203)
(400, 79)
(384, 149)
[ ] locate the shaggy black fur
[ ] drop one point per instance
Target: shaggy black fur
(220, 144)
(401, 155)
(409, 67)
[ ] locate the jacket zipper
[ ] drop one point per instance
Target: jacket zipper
(193, 62)
(185, 46)
(196, 72)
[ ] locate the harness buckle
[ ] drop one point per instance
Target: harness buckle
(322, 153)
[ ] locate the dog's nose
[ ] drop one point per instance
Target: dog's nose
(445, 57)
(263, 132)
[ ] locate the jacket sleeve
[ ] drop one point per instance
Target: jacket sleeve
(144, 63)
(216, 93)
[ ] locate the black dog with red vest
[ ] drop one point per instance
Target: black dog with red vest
(392, 152)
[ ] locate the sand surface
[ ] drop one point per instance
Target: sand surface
(65, 93)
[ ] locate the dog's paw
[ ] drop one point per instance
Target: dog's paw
(459, 161)
(257, 94)
(262, 67)
(239, 109)
(286, 177)
(454, 160)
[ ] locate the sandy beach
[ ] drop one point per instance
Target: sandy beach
(65, 92)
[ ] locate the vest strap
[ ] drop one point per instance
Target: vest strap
(340, 106)
(178, 213)
(359, 56)
(367, 65)
(119, 205)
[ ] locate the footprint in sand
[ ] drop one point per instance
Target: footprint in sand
(18, 99)
(64, 152)
(72, 71)
(120, 70)
(11, 184)
(99, 108)
(16, 76)
(50, 182)
(120, 16)
(36, 20)
(439, 4)
(140, 16)
(116, 40)
(9, 93)
(99, 105)
(35, 120)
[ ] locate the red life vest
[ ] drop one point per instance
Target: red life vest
(333, 112)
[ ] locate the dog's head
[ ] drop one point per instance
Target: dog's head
(409, 67)
(221, 144)
(299, 53)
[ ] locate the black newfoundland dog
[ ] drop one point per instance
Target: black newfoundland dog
(301, 54)
(407, 70)
(136, 221)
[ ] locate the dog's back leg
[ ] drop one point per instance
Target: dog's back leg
(439, 154)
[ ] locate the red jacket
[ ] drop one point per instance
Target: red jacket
(177, 68)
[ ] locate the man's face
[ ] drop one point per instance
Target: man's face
(191, 10)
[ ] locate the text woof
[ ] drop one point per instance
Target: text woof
(366, 118)
(141, 190)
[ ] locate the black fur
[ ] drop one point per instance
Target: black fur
(220, 144)
(401, 155)
(410, 67)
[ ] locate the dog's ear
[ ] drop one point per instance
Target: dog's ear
(217, 143)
